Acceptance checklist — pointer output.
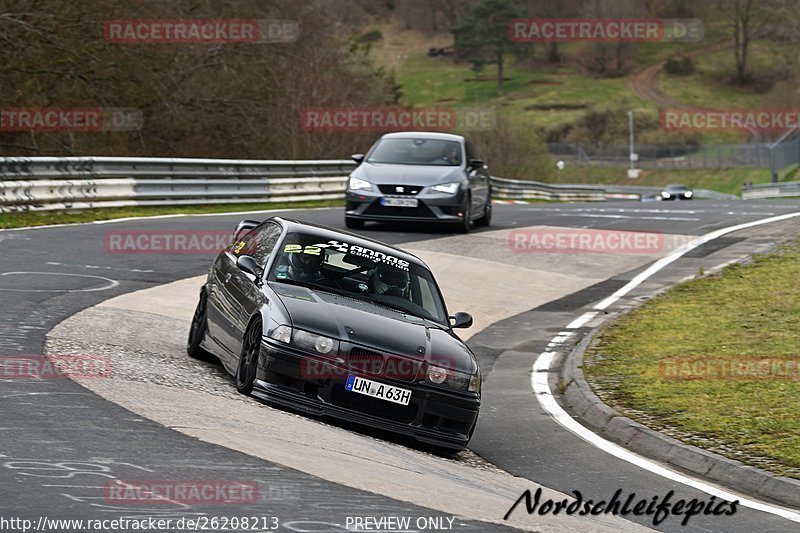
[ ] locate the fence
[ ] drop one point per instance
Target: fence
(683, 156)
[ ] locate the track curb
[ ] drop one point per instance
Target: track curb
(605, 421)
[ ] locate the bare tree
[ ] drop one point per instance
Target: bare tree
(748, 19)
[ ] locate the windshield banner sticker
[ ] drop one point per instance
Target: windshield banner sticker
(360, 251)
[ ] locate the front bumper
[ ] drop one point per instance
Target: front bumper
(433, 415)
(366, 205)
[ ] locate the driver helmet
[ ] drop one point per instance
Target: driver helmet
(304, 266)
(390, 280)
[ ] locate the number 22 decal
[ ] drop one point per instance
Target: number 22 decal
(296, 249)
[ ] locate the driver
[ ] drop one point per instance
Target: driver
(450, 153)
(390, 281)
(305, 267)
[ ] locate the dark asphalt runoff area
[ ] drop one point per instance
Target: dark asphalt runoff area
(60, 444)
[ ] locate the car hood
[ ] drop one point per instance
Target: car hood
(386, 174)
(373, 326)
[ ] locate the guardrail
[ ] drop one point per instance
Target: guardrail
(524, 189)
(50, 183)
(771, 190)
(42, 183)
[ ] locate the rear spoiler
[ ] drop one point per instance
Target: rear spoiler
(243, 228)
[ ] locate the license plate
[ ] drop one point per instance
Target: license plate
(399, 202)
(381, 391)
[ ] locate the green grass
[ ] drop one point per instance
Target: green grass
(441, 82)
(44, 218)
(744, 311)
(708, 86)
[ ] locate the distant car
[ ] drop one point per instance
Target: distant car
(420, 177)
(333, 324)
(676, 192)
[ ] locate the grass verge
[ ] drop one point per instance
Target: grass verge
(745, 311)
(44, 218)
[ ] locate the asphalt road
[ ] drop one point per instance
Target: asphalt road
(59, 443)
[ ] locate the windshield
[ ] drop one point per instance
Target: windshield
(410, 151)
(344, 268)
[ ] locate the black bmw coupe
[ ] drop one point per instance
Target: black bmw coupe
(332, 324)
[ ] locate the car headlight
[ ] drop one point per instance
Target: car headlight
(447, 188)
(356, 184)
(305, 340)
(665, 194)
(688, 194)
(281, 333)
(453, 379)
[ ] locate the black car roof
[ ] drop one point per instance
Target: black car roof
(329, 233)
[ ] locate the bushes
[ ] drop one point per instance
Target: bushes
(514, 150)
(679, 66)
(610, 126)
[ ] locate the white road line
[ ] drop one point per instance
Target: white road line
(98, 267)
(110, 285)
(543, 393)
(584, 215)
(581, 320)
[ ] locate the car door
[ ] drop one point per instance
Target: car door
(220, 312)
(244, 291)
(479, 180)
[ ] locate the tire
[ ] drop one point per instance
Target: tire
(465, 225)
(486, 219)
(248, 360)
(197, 331)
(353, 223)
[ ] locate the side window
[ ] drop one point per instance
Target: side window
(471, 153)
(258, 244)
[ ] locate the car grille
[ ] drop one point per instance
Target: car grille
(366, 361)
(385, 366)
(421, 211)
(407, 190)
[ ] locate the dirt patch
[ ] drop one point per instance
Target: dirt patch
(555, 106)
(543, 83)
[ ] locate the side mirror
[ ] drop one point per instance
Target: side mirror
(358, 158)
(476, 163)
(248, 265)
(244, 227)
(461, 320)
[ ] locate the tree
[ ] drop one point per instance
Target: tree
(482, 37)
(749, 19)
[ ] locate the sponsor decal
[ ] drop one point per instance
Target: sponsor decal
(360, 251)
